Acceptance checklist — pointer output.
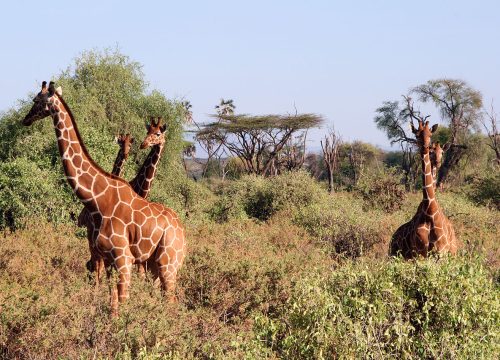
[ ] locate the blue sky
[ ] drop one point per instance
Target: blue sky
(338, 59)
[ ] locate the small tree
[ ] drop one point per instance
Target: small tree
(392, 118)
(490, 125)
(460, 107)
(330, 146)
(212, 141)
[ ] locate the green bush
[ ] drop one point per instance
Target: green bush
(342, 225)
(261, 198)
(486, 190)
(26, 191)
(108, 94)
(382, 189)
(421, 309)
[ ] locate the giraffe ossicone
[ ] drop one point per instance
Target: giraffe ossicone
(429, 231)
(129, 228)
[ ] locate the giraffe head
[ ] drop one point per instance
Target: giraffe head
(125, 142)
(156, 133)
(41, 103)
(423, 133)
(436, 154)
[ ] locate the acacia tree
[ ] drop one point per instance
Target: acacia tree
(330, 146)
(392, 117)
(224, 108)
(211, 141)
(257, 140)
(460, 107)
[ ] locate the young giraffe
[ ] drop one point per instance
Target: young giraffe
(130, 229)
(96, 263)
(429, 229)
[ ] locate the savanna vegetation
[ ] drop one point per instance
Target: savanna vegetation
(287, 250)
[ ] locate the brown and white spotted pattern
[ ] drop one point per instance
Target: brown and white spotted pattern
(436, 156)
(155, 138)
(429, 230)
(130, 229)
(96, 263)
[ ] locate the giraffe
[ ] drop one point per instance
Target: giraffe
(125, 142)
(96, 263)
(436, 156)
(429, 230)
(130, 229)
(141, 184)
(155, 138)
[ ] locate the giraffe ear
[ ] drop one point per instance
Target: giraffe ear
(446, 146)
(52, 88)
(163, 128)
(434, 128)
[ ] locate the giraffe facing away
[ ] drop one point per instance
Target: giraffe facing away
(130, 229)
(429, 230)
(96, 263)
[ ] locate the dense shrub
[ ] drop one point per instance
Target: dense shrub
(423, 309)
(261, 198)
(486, 190)
(477, 228)
(382, 189)
(341, 224)
(233, 271)
(28, 192)
(108, 94)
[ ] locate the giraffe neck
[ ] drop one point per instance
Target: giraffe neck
(119, 162)
(81, 171)
(144, 178)
(428, 182)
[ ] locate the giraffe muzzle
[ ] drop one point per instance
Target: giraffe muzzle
(27, 121)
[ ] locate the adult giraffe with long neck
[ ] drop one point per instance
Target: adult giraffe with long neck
(96, 263)
(141, 184)
(131, 229)
(429, 230)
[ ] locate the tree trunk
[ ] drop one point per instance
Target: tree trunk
(451, 159)
(330, 179)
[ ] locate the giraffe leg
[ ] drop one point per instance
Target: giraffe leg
(113, 290)
(167, 271)
(141, 269)
(123, 261)
(168, 277)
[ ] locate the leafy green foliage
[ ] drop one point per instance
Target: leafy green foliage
(340, 224)
(107, 94)
(382, 189)
(261, 198)
(424, 309)
(27, 191)
(486, 190)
